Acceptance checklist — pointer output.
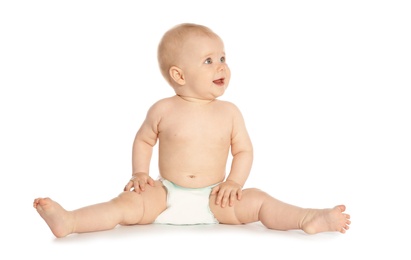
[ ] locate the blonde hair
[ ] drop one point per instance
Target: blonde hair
(171, 45)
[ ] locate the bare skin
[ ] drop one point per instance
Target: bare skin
(196, 132)
(312, 221)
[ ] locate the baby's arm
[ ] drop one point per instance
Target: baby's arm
(144, 142)
(242, 152)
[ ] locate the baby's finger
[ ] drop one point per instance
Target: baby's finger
(219, 199)
(128, 186)
(239, 194)
(225, 199)
(150, 181)
(142, 185)
(137, 187)
(233, 197)
(215, 190)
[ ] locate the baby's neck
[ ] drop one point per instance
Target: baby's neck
(195, 100)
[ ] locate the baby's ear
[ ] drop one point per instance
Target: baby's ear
(177, 75)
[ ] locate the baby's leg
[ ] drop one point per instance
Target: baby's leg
(256, 205)
(126, 209)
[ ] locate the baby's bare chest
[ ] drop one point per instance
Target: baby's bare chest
(213, 129)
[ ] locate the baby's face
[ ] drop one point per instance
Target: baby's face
(206, 72)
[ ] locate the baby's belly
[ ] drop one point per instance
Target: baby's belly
(193, 179)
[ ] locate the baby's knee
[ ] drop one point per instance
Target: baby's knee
(127, 198)
(131, 207)
(255, 193)
(143, 208)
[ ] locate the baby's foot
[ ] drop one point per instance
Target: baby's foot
(326, 220)
(56, 217)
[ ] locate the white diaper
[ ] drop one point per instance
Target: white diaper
(186, 206)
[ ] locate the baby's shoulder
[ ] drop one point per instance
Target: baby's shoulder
(162, 105)
(229, 106)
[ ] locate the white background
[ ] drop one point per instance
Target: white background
(323, 86)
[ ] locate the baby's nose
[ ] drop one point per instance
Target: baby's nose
(221, 67)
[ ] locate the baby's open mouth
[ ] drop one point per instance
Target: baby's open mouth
(219, 82)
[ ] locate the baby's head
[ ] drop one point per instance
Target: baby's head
(171, 49)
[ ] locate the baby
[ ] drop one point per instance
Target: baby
(195, 133)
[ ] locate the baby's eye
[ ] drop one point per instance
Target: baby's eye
(222, 59)
(208, 61)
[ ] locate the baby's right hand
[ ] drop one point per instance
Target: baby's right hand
(138, 182)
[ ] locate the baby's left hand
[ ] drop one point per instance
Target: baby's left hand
(227, 192)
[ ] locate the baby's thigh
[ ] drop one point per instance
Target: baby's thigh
(243, 211)
(155, 202)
